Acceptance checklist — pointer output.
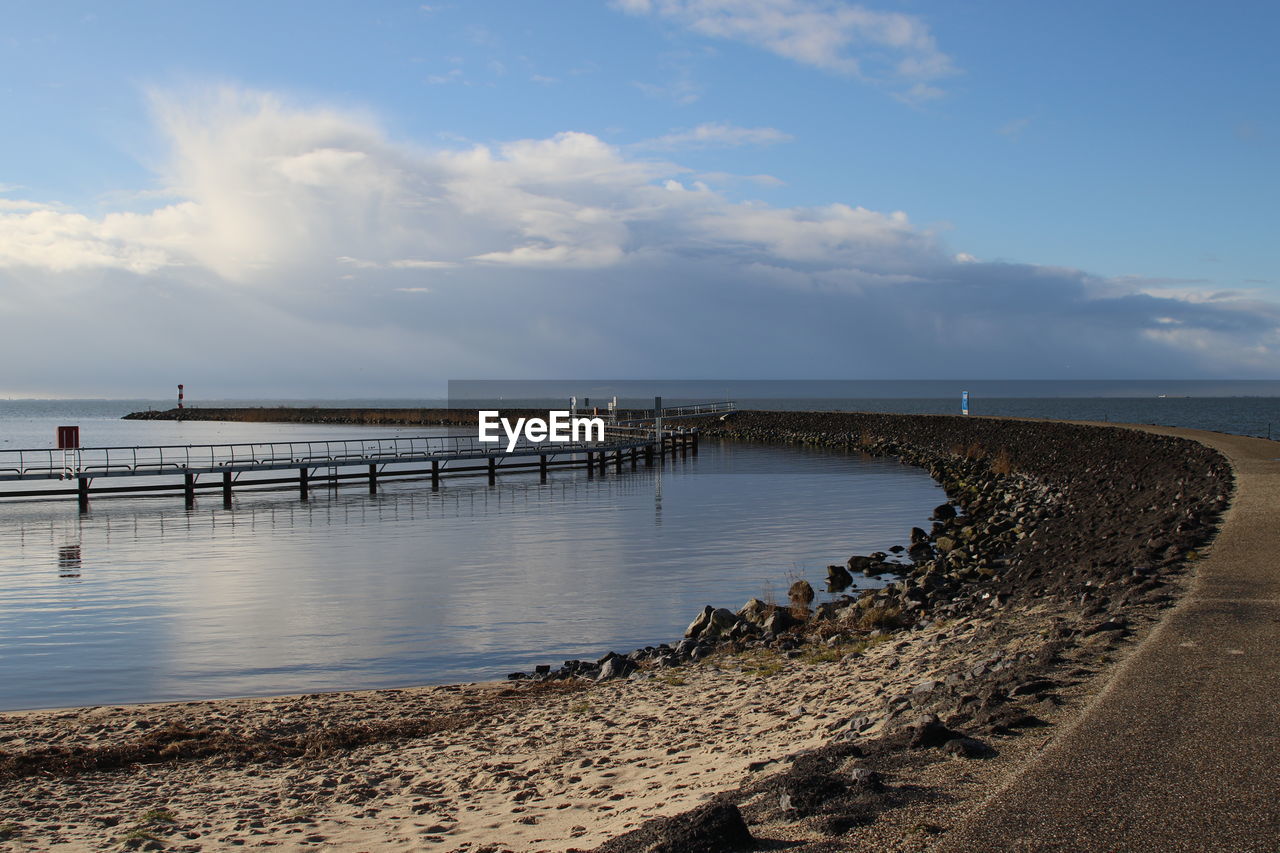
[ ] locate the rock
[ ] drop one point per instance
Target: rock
(929, 731)
(943, 512)
(838, 577)
(1035, 685)
(865, 777)
(614, 666)
(859, 564)
(918, 535)
(711, 623)
(1108, 626)
(967, 747)
(945, 544)
(920, 552)
(779, 621)
(801, 592)
(697, 625)
(711, 828)
(755, 611)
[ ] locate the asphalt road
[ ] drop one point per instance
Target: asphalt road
(1181, 750)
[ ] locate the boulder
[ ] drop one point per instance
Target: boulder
(801, 592)
(755, 611)
(838, 577)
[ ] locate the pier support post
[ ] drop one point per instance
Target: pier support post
(542, 468)
(493, 470)
(435, 475)
(591, 465)
(226, 490)
(617, 462)
(648, 456)
(189, 489)
(373, 479)
(695, 442)
(684, 444)
(82, 493)
(634, 453)
(604, 461)
(303, 477)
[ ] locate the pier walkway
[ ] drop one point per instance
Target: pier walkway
(329, 461)
(1180, 751)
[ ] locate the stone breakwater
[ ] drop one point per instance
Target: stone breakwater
(1071, 535)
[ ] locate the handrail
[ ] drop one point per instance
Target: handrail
(48, 463)
(145, 460)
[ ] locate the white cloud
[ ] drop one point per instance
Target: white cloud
(543, 255)
(717, 134)
(834, 36)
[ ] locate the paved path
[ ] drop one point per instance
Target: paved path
(1181, 750)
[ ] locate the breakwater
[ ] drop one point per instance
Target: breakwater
(1058, 543)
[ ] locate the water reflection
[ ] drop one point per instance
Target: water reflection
(350, 590)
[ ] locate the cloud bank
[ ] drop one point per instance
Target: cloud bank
(303, 253)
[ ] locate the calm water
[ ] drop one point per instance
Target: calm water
(143, 600)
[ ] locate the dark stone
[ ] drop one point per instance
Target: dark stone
(711, 828)
(967, 747)
(838, 577)
(801, 592)
(943, 512)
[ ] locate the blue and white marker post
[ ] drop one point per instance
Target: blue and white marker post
(964, 402)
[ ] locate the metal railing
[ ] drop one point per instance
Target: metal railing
(44, 464)
(692, 410)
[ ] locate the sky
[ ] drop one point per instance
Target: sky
(321, 199)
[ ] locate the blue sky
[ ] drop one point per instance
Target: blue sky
(895, 189)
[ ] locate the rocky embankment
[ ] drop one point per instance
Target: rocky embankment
(1070, 535)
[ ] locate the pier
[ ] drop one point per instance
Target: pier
(310, 464)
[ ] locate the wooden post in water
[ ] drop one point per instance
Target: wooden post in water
(493, 470)
(189, 489)
(542, 468)
(617, 462)
(695, 442)
(226, 490)
(435, 475)
(373, 479)
(648, 456)
(302, 482)
(591, 465)
(634, 454)
(82, 493)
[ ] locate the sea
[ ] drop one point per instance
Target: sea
(144, 599)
